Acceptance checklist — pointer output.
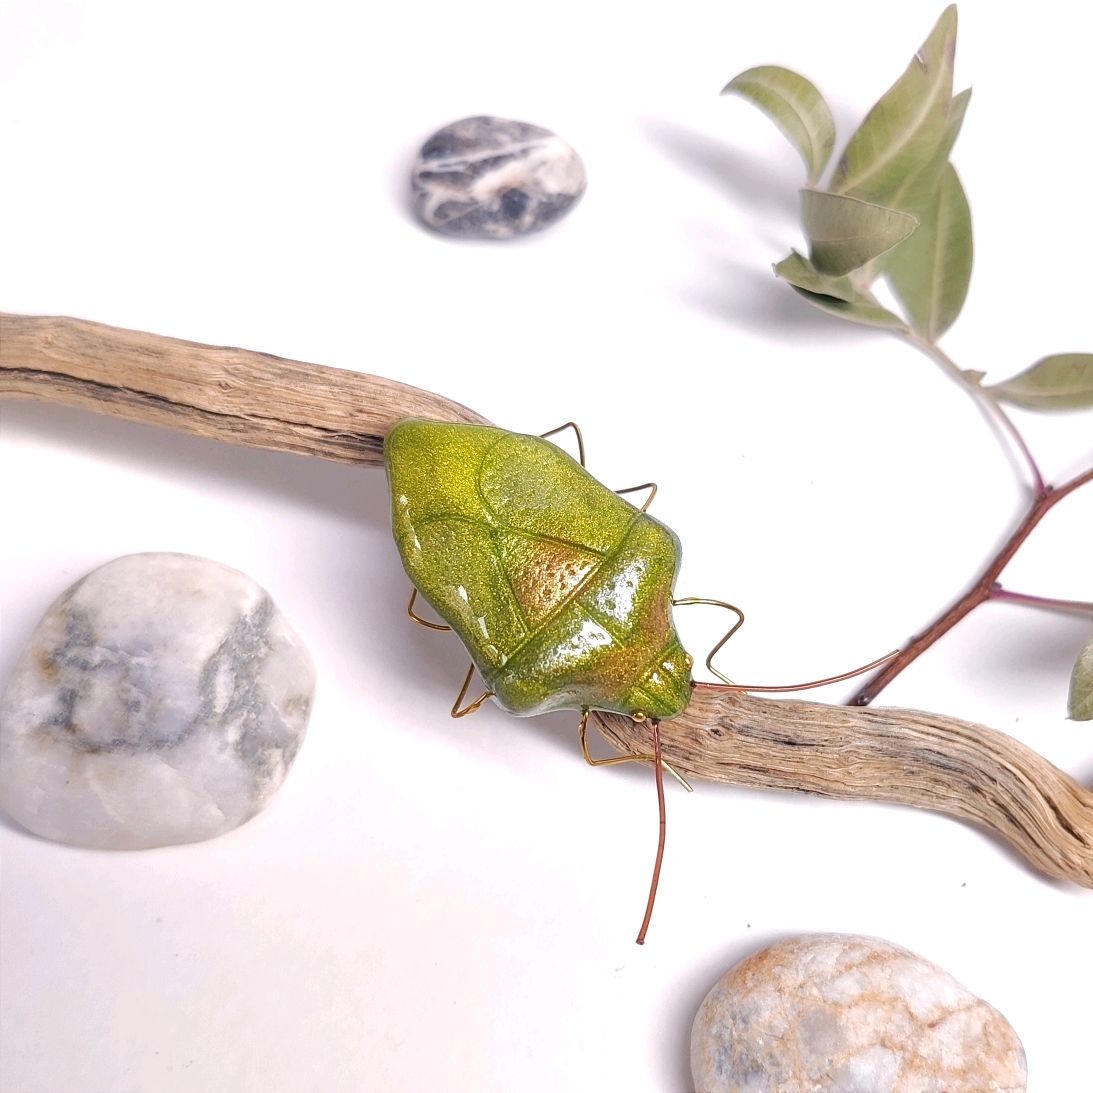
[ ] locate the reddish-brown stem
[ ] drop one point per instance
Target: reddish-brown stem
(658, 768)
(1049, 603)
(1039, 486)
(979, 592)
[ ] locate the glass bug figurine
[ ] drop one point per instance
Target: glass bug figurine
(559, 588)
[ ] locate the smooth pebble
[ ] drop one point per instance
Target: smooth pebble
(491, 178)
(161, 699)
(848, 1014)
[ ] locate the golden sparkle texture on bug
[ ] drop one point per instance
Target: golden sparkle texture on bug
(560, 589)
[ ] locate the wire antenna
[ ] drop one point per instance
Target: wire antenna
(658, 767)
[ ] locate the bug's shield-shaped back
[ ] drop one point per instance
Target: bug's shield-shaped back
(559, 588)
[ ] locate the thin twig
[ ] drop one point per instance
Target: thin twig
(980, 591)
(1038, 484)
(989, 405)
(986, 585)
(1049, 603)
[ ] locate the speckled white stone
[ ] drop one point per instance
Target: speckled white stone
(492, 178)
(848, 1014)
(161, 699)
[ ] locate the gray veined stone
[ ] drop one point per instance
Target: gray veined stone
(161, 699)
(848, 1014)
(490, 178)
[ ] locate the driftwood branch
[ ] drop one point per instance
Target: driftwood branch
(902, 756)
(907, 757)
(236, 395)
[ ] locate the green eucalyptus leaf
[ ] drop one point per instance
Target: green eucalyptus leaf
(835, 295)
(958, 110)
(1080, 703)
(801, 273)
(845, 232)
(902, 132)
(1063, 381)
(929, 273)
(796, 107)
(867, 312)
(916, 190)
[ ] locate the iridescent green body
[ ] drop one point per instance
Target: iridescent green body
(560, 589)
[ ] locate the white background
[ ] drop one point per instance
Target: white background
(435, 905)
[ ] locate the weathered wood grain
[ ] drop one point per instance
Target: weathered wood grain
(227, 394)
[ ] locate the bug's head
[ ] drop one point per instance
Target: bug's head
(664, 689)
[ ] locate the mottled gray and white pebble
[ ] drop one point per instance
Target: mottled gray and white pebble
(490, 178)
(162, 699)
(849, 1014)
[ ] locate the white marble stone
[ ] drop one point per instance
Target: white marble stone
(161, 699)
(491, 178)
(848, 1014)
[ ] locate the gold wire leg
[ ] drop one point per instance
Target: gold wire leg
(576, 428)
(650, 486)
(687, 601)
(635, 757)
(418, 619)
(456, 711)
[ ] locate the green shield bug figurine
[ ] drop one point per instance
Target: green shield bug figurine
(560, 589)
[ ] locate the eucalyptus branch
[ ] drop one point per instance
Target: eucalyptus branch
(895, 208)
(982, 590)
(986, 586)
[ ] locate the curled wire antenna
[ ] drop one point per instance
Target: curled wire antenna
(658, 767)
(813, 683)
(687, 601)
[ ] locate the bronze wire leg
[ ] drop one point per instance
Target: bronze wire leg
(651, 486)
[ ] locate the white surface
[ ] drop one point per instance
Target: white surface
(435, 905)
